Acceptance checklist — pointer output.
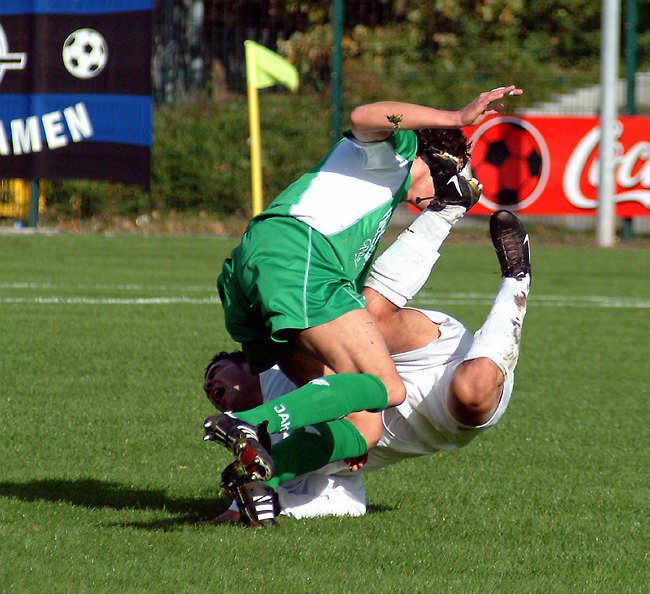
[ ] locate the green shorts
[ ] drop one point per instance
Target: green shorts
(283, 276)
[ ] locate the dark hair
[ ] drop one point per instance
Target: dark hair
(446, 140)
(234, 356)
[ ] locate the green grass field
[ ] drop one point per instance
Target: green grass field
(106, 483)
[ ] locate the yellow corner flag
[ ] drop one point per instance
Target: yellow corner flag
(265, 68)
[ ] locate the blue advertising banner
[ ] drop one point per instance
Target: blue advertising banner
(75, 90)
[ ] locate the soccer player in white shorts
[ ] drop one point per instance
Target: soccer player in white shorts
(428, 420)
(422, 425)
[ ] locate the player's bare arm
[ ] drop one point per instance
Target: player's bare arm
(374, 122)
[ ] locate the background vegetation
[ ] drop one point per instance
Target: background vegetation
(439, 53)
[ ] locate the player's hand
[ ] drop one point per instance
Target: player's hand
(480, 109)
(355, 464)
(230, 516)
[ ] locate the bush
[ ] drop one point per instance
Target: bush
(201, 158)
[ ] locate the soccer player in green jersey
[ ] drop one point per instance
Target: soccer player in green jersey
(291, 289)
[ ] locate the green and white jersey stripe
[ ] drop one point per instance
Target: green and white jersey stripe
(351, 194)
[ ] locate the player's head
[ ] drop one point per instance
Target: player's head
(445, 140)
(229, 384)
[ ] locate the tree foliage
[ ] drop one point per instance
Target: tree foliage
(437, 52)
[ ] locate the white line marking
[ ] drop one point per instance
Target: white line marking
(111, 301)
(102, 287)
(595, 301)
(427, 300)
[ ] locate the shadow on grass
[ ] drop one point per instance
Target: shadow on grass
(93, 493)
(381, 509)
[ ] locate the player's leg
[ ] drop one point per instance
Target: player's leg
(305, 450)
(478, 381)
(403, 268)
(352, 343)
(401, 271)
(304, 302)
(314, 447)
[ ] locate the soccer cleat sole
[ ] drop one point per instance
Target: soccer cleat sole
(258, 466)
(511, 244)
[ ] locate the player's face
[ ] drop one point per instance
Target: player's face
(421, 182)
(232, 386)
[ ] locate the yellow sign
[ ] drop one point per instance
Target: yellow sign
(14, 199)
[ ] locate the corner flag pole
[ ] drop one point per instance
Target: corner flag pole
(264, 68)
(254, 130)
(256, 148)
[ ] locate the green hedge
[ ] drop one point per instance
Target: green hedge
(201, 158)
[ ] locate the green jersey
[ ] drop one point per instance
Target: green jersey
(350, 196)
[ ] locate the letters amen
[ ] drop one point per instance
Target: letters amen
(27, 137)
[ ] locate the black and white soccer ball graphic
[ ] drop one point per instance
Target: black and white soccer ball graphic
(85, 53)
(510, 158)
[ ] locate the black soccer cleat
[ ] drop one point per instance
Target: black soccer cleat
(233, 476)
(510, 241)
(451, 187)
(251, 445)
(258, 502)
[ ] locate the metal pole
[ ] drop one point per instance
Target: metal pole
(168, 52)
(34, 195)
(336, 102)
(609, 56)
(630, 26)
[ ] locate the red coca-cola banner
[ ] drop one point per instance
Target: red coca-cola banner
(549, 165)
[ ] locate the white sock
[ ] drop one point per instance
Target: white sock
(498, 339)
(401, 271)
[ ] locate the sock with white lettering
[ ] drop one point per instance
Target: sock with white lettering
(499, 336)
(316, 446)
(403, 268)
(324, 399)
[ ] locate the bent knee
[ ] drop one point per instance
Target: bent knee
(475, 391)
(396, 392)
(369, 425)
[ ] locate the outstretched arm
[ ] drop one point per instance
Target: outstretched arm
(374, 122)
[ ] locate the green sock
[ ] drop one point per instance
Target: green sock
(314, 447)
(323, 399)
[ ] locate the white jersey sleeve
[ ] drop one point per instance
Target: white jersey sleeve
(274, 383)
